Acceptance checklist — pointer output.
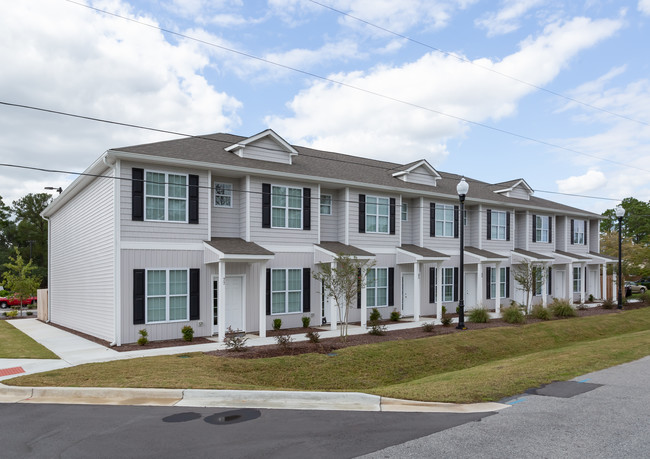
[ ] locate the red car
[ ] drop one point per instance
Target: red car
(8, 302)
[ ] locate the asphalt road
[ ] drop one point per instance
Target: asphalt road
(610, 420)
(84, 431)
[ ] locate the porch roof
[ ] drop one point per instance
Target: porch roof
(334, 248)
(415, 253)
(234, 249)
(603, 258)
(572, 256)
(484, 255)
(532, 256)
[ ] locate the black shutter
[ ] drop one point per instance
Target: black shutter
(572, 231)
(586, 234)
(362, 216)
(507, 226)
(549, 281)
(488, 282)
(193, 195)
(137, 196)
(306, 290)
(359, 288)
(138, 296)
(489, 224)
(455, 284)
(266, 207)
(392, 215)
(195, 294)
(507, 282)
(456, 221)
(534, 228)
(306, 209)
(268, 292)
(550, 229)
(432, 219)
(432, 285)
(391, 286)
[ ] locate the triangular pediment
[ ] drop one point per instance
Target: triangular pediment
(418, 172)
(265, 146)
(517, 188)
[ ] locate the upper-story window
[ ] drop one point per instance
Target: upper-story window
(579, 232)
(377, 215)
(326, 204)
(541, 228)
(498, 225)
(286, 207)
(165, 197)
(444, 220)
(405, 211)
(223, 195)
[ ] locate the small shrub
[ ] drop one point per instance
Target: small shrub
(513, 315)
(143, 337)
(235, 340)
(540, 312)
(428, 327)
(395, 315)
(31, 306)
(188, 333)
(375, 327)
(30, 313)
(305, 321)
(277, 324)
(314, 337)
(284, 340)
(479, 316)
(375, 315)
(13, 313)
(445, 320)
(608, 304)
(645, 297)
(591, 298)
(562, 308)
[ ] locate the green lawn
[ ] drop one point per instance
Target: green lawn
(463, 367)
(14, 344)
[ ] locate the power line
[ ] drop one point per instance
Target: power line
(358, 88)
(467, 61)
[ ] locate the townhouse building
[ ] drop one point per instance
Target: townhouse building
(223, 231)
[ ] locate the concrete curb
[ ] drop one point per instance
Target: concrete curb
(288, 400)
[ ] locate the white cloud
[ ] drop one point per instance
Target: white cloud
(644, 6)
(592, 180)
(507, 19)
(68, 58)
(333, 117)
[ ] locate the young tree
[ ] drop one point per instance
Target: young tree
(19, 279)
(343, 282)
(529, 275)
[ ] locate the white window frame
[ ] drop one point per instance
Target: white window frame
(372, 286)
(286, 291)
(542, 225)
(287, 208)
(377, 216)
(166, 198)
(167, 296)
(227, 193)
(405, 212)
(325, 206)
(579, 232)
(450, 286)
(577, 280)
(498, 223)
(502, 283)
(443, 211)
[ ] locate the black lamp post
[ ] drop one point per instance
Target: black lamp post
(462, 189)
(620, 212)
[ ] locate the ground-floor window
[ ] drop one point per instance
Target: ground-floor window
(577, 280)
(167, 295)
(502, 283)
(447, 284)
(538, 280)
(286, 291)
(377, 287)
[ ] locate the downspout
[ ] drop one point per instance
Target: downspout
(117, 310)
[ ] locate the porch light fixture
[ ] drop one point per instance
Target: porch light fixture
(620, 213)
(462, 188)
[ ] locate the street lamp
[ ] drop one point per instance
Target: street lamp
(620, 212)
(462, 189)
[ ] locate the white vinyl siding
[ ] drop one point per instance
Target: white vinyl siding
(498, 225)
(377, 287)
(444, 220)
(223, 194)
(286, 207)
(377, 214)
(165, 197)
(167, 295)
(286, 291)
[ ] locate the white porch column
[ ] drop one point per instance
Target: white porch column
(569, 286)
(479, 287)
(334, 311)
(544, 286)
(497, 296)
(439, 290)
(221, 301)
(603, 283)
(614, 286)
(583, 282)
(364, 307)
(416, 291)
(262, 300)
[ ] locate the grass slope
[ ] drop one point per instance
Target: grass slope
(423, 369)
(14, 344)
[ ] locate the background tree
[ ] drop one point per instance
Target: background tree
(342, 283)
(7, 234)
(19, 278)
(529, 275)
(30, 226)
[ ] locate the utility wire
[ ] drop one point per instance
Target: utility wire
(467, 61)
(358, 88)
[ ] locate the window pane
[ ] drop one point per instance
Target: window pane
(294, 302)
(176, 186)
(382, 277)
(449, 229)
(295, 218)
(449, 213)
(178, 282)
(278, 196)
(382, 296)
(176, 210)
(279, 282)
(382, 206)
(278, 302)
(295, 198)
(178, 308)
(370, 279)
(439, 228)
(155, 309)
(295, 279)
(155, 185)
(448, 294)
(370, 297)
(382, 224)
(155, 209)
(156, 283)
(278, 218)
(371, 224)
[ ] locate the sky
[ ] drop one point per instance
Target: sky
(554, 92)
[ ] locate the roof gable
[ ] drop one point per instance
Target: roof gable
(515, 189)
(266, 146)
(420, 172)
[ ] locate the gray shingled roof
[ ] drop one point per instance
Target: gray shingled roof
(572, 255)
(330, 165)
(484, 253)
(596, 254)
(237, 246)
(530, 254)
(338, 247)
(423, 251)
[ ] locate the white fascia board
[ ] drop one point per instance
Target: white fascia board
(419, 258)
(266, 133)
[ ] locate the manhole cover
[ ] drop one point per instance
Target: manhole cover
(233, 417)
(182, 417)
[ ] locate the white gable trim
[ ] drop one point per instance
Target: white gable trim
(521, 182)
(238, 148)
(403, 175)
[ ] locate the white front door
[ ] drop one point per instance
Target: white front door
(560, 289)
(592, 286)
(470, 290)
(407, 294)
(235, 302)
